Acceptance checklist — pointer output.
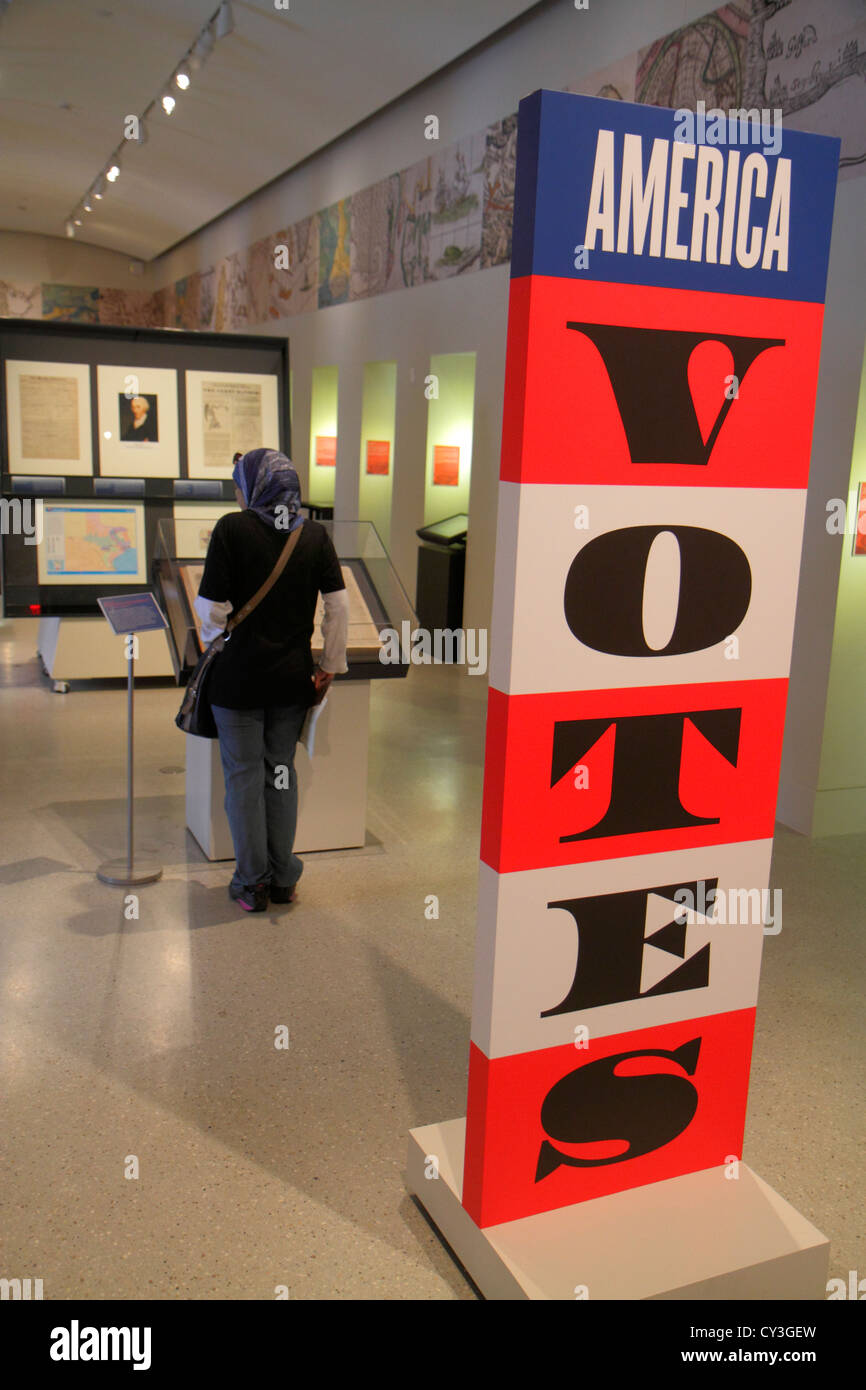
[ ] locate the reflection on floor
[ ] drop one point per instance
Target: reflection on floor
(150, 1040)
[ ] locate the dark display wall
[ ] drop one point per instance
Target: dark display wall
(141, 351)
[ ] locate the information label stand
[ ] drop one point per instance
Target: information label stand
(128, 615)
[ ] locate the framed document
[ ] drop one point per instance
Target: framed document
(48, 417)
(91, 542)
(194, 523)
(363, 642)
(228, 413)
(191, 572)
(138, 435)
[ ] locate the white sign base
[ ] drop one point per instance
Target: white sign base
(702, 1236)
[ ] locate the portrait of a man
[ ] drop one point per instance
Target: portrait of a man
(138, 419)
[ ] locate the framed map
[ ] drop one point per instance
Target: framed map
(92, 543)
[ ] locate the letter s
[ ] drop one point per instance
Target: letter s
(593, 1103)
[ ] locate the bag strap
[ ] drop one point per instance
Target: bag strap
(269, 583)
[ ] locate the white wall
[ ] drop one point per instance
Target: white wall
(28, 259)
(832, 442)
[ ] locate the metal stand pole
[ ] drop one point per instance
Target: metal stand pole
(120, 873)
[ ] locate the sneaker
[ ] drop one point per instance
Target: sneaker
(282, 895)
(250, 898)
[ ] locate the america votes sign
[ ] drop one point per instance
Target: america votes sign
(663, 343)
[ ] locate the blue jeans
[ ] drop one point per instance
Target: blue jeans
(257, 749)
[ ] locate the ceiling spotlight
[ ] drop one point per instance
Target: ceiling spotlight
(76, 222)
(225, 20)
(87, 205)
(99, 189)
(113, 174)
(168, 104)
(181, 77)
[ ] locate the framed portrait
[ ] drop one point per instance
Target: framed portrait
(138, 432)
(228, 413)
(48, 418)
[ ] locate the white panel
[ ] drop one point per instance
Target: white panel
(120, 456)
(542, 653)
(58, 440)
(502, 616)
(228, 425)
(527, 953)
(698, 1236)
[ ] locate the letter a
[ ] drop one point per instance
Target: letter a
(599, 217)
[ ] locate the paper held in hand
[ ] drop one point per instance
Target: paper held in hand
(307, 737)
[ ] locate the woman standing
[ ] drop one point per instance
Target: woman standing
(263, 682)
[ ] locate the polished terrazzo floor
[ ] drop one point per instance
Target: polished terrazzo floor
(154, 1037)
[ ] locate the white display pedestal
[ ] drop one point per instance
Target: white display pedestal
(81, 649)
(702, 1236)
(332, 786)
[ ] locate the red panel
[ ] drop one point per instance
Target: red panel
(378, 456)
(568, 428)
(524, 818)
(446, 465)
(505, 1133)
(326, 450)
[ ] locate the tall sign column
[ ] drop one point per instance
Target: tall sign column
(663, 342)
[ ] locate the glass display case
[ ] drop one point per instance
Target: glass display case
(377, 599)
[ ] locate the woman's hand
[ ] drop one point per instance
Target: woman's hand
(322, 682)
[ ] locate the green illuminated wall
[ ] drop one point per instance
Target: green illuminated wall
(294, 447)
(323, 420)
(378, 408)
(449, 421)
(840, 802)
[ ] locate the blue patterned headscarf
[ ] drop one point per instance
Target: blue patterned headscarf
(268, 480)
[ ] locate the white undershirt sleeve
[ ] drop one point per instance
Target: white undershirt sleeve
(214, 617)
(335, 630)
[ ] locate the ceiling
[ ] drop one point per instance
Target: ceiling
(281, 86)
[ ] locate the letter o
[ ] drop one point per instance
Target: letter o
(603, 596)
